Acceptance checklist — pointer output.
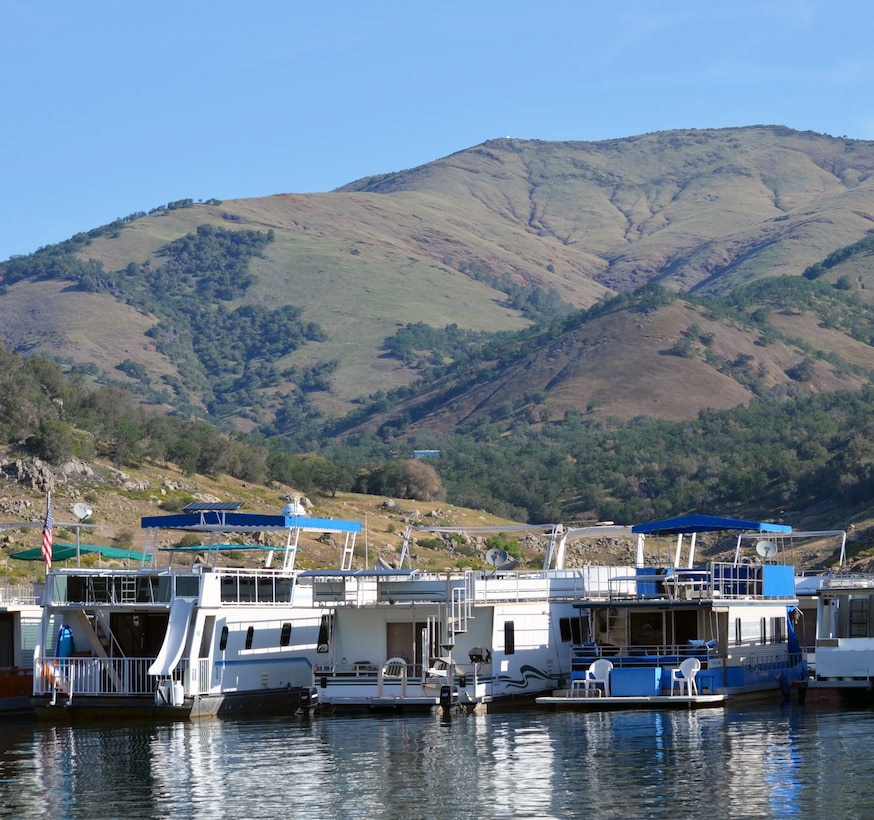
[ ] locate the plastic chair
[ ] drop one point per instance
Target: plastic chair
(684, 676)
(599, 672)
(394, 668)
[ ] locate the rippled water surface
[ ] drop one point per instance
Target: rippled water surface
(779, 761)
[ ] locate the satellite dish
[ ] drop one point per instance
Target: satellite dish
(495, 557)
(82, 511)
(767, 549)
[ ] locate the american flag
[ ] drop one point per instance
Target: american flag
(47, 535)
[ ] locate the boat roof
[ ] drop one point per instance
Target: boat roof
(352, 573)
(487, 529)
(705, 523)
(224, 520)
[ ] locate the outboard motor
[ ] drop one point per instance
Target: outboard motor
(448, 696)
(309, 698)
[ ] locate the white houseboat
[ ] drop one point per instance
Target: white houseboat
(405, 639)
(681, 636)
(844, 638)
(174, 642)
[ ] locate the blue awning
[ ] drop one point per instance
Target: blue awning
(706, 523)
(229, 521)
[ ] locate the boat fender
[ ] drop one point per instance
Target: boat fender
(784, 684)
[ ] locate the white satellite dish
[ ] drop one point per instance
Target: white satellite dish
(496, 557)
(767, 549)
(82, 511)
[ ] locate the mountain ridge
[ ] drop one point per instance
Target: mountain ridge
(703, 212)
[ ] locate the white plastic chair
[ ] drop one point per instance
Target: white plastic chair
(684, 676)
(599, 672)
(394, 668)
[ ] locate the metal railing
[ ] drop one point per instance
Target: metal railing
(18, 594)
(93, 676)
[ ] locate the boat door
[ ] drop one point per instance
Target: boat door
(139, 634)
(7, 640)
(404, 640)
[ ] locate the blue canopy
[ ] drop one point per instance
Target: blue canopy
(705, 523)
(229, 521)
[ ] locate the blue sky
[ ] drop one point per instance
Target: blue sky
(113, 106)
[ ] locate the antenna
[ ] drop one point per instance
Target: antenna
(496, 557)
(767, 549)
(82, 511)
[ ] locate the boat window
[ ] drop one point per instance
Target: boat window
(858, 618)
(229, 588)
(187, 586)
(777, 633)
(509, 637)
(223, 640)
(266, 592)
(250, 635)
(324, 634)
(570, 630)
(646, 629)
(247, 589)
(285, 636)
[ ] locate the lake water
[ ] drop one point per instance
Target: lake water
(765, 761)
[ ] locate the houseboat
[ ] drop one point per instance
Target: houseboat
(191, 641)
(844, 638)
(20, 615)
(406, 639)
(676, 635)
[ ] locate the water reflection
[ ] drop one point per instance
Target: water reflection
(767, 762)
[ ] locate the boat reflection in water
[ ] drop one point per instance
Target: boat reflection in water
(782, 761)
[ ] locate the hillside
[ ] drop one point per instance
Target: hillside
(703, 212)
(120, 498)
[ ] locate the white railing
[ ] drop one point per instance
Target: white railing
(18, 594)
(93, 676)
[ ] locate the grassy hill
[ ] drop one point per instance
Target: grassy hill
(703, 212)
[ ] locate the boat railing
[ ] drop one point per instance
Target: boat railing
(18, 594)
(720, 580)
(854, 580)
(582, 655)
(93, 676)
(770, 661)
(360, 669)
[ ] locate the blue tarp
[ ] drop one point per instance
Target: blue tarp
(705, 523)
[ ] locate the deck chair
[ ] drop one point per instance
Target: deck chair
(599, 673)
(684, 676)
(394, 668)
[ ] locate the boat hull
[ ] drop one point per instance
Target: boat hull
(564, 701)
(89, 708)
